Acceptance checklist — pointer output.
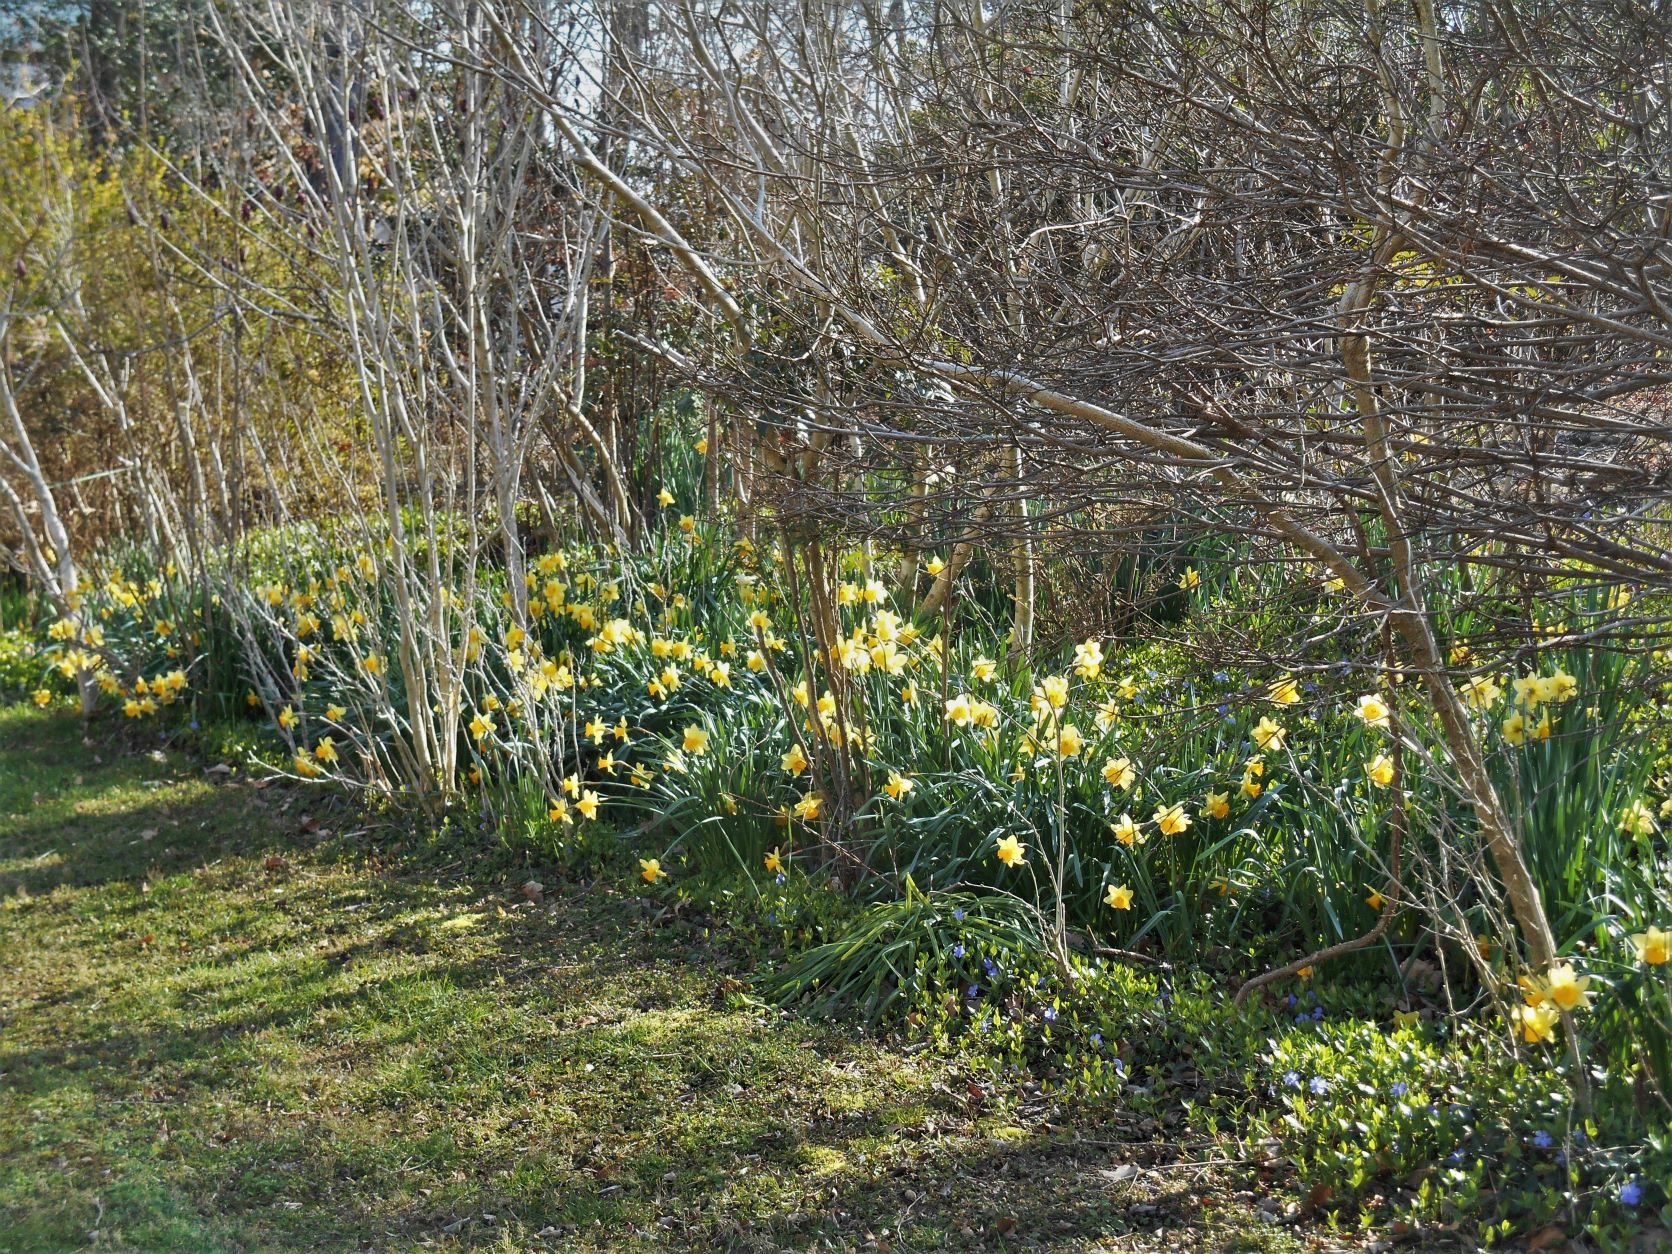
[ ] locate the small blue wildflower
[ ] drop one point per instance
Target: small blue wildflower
(1291, 1001)
(1309, 686)
(1631, 1193)
(958, 914)
(975, 991)
(1303, 1017)
(1050, 1014)
(1224, 709)
(1543, 1139)
(958, 950)
(1097, 1039)
(1292, 1079)
(1455, 1158)
(1399, 1088)
(195, 724)
(780, 878)
(1221, 677)
(1120, 1066)
(1319, 1085)
(991, 967)
(1317, 1012)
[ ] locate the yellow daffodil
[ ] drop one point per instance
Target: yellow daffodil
(1088, 659)
(773, 862)
(1119, 773)
(1567, 988)
(1269, 735)
(1536, 1023)
(1126, 830)
(1379, 770)
(588, 804)
(1119, 897)
(1373, 710)
(898, 785)
(650, 870)
(1653, 946)
(1480, 692)
(1217, 805)
(1011, 851)
(1053, 691)
(958, 711)
(1171, 819)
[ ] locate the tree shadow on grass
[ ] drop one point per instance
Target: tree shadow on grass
(88, 804)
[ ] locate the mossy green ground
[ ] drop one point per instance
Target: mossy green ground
(235, 1017)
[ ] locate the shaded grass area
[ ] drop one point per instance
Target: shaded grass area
(235, 1017)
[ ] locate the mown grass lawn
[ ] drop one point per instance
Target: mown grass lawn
(238, 1017)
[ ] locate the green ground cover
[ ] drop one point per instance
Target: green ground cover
(246, 1017)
